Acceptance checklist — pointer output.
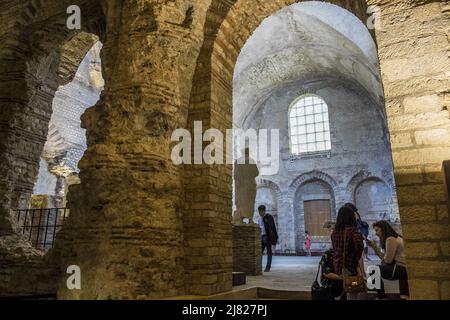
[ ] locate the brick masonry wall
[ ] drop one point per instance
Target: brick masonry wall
(247, 249)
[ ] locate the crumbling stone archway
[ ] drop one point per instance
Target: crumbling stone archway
(45, 55)
(38, 54)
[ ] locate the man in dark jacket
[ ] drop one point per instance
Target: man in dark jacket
(269, 234)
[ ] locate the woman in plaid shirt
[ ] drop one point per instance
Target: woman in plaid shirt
(346, 227)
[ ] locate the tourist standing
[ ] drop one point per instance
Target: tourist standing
(348, 246)
(269, 234)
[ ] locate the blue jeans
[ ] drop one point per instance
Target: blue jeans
(266, 244)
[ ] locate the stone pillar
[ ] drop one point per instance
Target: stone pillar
(247, 255)
(286, 230)
(413, 47)
(23, 131)
(125, 229)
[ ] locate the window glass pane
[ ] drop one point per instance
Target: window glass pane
(309, 110)
(311, 137)
(321, 146)
(302, 139)
(319, 127)
(301, 120)
(310, 119)
(325, 117)
(318, 118)
(302, 130)
(320, 136)
(318, 108)
(308, 100)
(293, 114)
(310, 128)
(295, 139)
(311, 147)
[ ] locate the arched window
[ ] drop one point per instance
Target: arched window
(309, 126)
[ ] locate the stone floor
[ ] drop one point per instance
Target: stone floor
(296, 274)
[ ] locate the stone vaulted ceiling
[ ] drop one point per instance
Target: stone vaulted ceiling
(306, 41)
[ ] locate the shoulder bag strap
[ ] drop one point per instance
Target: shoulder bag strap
(318, 270)
(345, 247)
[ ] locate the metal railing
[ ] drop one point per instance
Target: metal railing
(40, 226)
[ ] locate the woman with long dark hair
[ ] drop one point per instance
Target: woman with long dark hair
(347, 242)
(393, 264)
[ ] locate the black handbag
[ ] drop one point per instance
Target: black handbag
(388, 270)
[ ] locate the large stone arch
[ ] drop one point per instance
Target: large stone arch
(227, 27)
(361, 176)
(309, 176)
(262, 182)
(316, 180)
(276, 194)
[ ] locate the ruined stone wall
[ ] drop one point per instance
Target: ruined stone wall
(34, 63)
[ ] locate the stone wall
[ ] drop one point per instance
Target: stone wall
(413, 48)
(360, 152)
(247, 249)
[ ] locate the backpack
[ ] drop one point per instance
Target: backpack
(326, 289)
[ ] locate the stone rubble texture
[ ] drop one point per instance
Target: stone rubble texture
(142, 228)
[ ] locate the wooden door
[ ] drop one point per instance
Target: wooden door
(317, 212)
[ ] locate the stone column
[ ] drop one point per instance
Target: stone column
(26, 110)
(125, 227)
(413, 47)
(286, 232)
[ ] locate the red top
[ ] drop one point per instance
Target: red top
(353, 251)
